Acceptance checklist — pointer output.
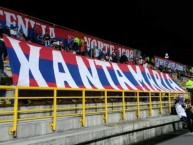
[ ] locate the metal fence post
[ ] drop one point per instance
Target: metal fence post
(123, 105)
(13, 129)
(53, 124)
(83, 119)
(138, 106)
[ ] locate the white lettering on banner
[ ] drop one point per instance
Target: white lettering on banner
(157, 62)
(129, 53)
(154, 86)
(94, 45)
(106, 46)
(9, 17)
(32, 23)
(158, 80)
(104, 65)
(88, 71)
(173, 84)
(44, 29)
(27, 66)
(1, 12)
(165, 81)
(179, 67)
(172, 65)
(163, 62)
(91, 43)
(12, 19)
(139, 78)
(122, 78)
(62, 77)
(22, 25)
(85, 74)
(87, 40)
(100, 45)
(52, 33)
(111, 48)
(121, 51)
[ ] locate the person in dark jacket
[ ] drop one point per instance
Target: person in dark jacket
(188, 109)
(3, 54)
(123, 58)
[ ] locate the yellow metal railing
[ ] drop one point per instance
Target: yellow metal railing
(88, 102)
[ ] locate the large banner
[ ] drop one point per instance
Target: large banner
(35, 65)
(26, 23)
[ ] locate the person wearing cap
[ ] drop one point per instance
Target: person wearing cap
(182, 114)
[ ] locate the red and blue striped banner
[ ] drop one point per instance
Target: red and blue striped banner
(35, 65)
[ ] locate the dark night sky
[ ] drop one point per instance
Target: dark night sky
(154, 26)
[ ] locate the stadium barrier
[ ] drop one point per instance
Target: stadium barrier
(63, 102)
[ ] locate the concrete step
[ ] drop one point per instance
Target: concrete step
(116, 133)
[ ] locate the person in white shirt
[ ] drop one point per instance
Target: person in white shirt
(182, 114)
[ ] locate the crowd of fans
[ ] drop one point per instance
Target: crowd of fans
(79, 46)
